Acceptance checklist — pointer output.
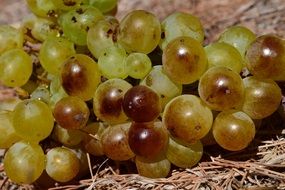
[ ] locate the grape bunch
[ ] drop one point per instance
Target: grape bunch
(139, 90)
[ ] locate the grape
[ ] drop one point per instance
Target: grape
(184, 60)
(66, 4)
(32, 120)
(180, 24)
(233, 130)
(107, 101)
(76, 23)
(139, 31)
(83, 160)
(42, 8)
(158, 81)
(265, 57)
(8, 135)
(115, 142)
(62, 164)
(158, 169)
(262, 97)
(41, 93)
(221, 88)
(223, 54)
(24, 162)
(141, 104)
(10, 38)
(238, 36)
(68, 137)
(187, 118)
(148, 140)
(71, 113)
(112, 63)
(138, 65)
(104, 5)
(102, 35)
(9, 104)
(54, 51)
(80, 76)
(184, 155)
(15, 67)
(56, 91)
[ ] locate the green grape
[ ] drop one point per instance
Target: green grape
(184, 60)
(187, 118)
(184, 155)
(62, 164)
(8, 135)
(68, 137)
(102, 35)
(238, 36)
(180, 24)
(265, 57)
(112, 62)
(41, 93)
(225, 55)
(15, 67)
(104, 5)
(139, 31)
(158, 81)
(42, 8)
(42, 28)
(76, 23)
(138, 65)
(221, 88)
(66, 4)
(24, 162)
(107, 101)
(233, 130)
(155, 169)
(80, 76)
(10, 38)
(54, 51)
(32, 120)
(262, 97)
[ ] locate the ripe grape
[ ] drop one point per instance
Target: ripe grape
(139, 31)
(187, 118)
(32, 120)
(221, 88)
(180, 24)
(24, 162)
(223, 54)
(80, 76)
(138, 65)
(42, 8)
(115, 142)
(71, 113)
(182, 154)
(15, 67)
(262, 97)
(68, 137)
(141, 104)
(108, 99)
(184, 60)
(233, 130)
(10, 38)
(265, 57)
(62, 164)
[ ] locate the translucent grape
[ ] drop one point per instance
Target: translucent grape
(233, 130)
(112, 63)
(180, 24)
(184, 155)
(24, 162)
(10, 38)
(223, 54)
(80, 76)
(68, 137)
(15, 67)
(221, 88)
(62, 164)
(104, 5)
(41, 93)
(32, 120)
(184, 60)
(42, 8)
(187, 118)
(54, 51)
(107, 101)
(139, 31)
(138, 65)
(262, 97)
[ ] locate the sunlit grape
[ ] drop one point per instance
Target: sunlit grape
(138, 65)
(42, 8)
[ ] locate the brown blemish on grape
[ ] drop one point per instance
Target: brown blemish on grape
(162, 35)
(74, 20)
(69, 2)
(197, 127)
(80, 11)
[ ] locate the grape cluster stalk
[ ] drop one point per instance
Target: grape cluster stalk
(139, 89)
